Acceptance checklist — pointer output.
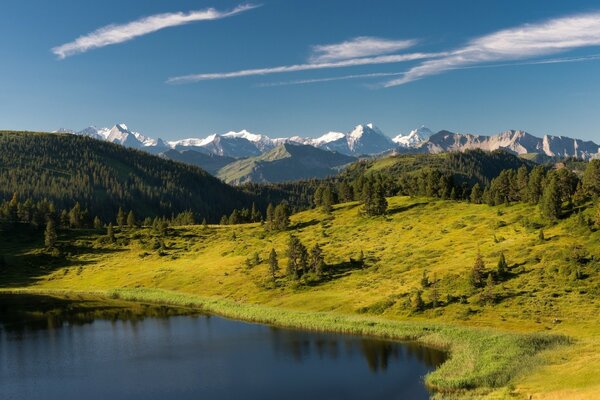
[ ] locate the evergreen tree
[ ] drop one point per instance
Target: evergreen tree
(97, 223)
(50, 235)
(424, 280)
(596, 213)
(273, 264)
(327, 200)
(477, 272)
(270, 217)
(120, 218)
(281, 218)
(297, 257)
(476, 194)
(75, 216)
(224, 220)
(64, 219)
(435, 293)
(255, 215)
(550, 203)
(416, 301)
(541, 236)
(502, 268)
(488, 295)
(591, 179)
(131, 219)
(234, 218)
(535, 185)
(110, 234)
(316, 260)
(204, 224)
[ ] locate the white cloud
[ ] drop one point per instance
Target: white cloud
(362, 46)
(304, 67)
(113, 34)
(527, 41)
(593, 57)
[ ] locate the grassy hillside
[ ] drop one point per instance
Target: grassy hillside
(103, 177)
(552, 285)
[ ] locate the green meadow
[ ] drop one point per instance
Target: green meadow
(533, 332)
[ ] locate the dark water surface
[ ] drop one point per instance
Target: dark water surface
(55, 349)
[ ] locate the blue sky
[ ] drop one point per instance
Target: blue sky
(467, 66)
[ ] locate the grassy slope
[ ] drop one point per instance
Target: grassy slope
(440, 236)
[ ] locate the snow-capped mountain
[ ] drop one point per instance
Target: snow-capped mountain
(364, 139)
(414, 138)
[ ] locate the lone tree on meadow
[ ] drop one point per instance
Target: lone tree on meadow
(502, 268)
(273, 264)
(477, 274)
(297, 257)
(50, 235)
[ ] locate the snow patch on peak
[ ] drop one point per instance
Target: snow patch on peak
(414, 138)
(328, 138)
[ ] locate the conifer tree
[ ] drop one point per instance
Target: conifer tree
(204, 224)
(476, 194)
(120, 218)
(425, 280)
(327, 200)
(97, 223)
(75, 216)
(316, 261)
(131, 219)
(297, 257)
(541, 236)
(110, 234)
(488, 295)
(273, 264)
(50, 235)
(270, 225)
(502, 268)
(416, 301)
(477, 272)
(550, 203)
(281, 218)
(596, 214)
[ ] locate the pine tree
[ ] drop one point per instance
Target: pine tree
(204, 224)
(327, 200)
(110, 234)
(541, 236)
(476, 194)
(316, 261)
(502, 268)
(591, 179)
(489, 295)
(224, 220)
(416, 301)
(270, 217)
(234, 218)
(50, 235)
(477, 272)
(75, 216)
(120, 218)
(297, 257)
(273, 264)
(131, 219)
(255, 215)
(281, 218)
(550, 203)
(97, 223)
(435, 293)
(424, 280)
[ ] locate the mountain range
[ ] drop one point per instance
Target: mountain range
(227, 155)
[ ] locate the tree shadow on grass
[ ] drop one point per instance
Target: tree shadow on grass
(397, 210)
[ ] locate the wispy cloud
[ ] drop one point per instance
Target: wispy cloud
(527, 41)
(113, 34)
(363, 46)
(395, 58)
(593, 57)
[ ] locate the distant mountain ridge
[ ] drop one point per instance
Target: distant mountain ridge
(364, 139)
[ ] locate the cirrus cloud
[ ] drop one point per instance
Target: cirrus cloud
(527, 41)
(113, 34)
(362, 46)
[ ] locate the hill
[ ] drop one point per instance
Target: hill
(102, 177)
(211, 163)
(551, 284)
(286, 162)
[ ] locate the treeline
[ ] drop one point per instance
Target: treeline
(103, 177)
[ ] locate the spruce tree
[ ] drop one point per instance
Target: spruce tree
(297, 257)
(476, 194)
(316, 261)
(110, 234)
(327, 200)
(97, 223)
(477, 272)
(120, 218)
(489, 295)
(425, 280)
(50, 235)
(416, 301)
(596, 214)
(131, 219)
(273, 264)
(270, 217)
(75, 216)
(281, 218)
(550, 203)
(502, 268)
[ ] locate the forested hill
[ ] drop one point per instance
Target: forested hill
(104, 177)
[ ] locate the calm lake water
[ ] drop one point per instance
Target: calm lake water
(54, 349)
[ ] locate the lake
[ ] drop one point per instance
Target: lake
(63, 349)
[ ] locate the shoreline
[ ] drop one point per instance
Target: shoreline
(478, 359)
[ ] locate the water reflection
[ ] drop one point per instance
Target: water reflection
(54, 348)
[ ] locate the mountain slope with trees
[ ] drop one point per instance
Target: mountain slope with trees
(103, 177)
